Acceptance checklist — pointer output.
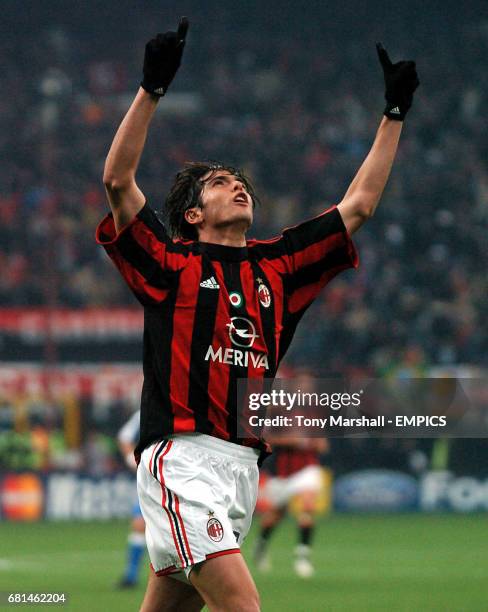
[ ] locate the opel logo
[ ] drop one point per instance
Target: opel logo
(242, 332)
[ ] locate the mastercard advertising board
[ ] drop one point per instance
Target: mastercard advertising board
(21, 497)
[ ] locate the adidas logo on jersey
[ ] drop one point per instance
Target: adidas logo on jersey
(395, 111)
(210, 283)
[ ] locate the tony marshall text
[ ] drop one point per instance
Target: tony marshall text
(302, 421)
(340, 421)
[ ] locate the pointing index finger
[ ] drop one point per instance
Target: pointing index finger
(182, 29)
(383, 56)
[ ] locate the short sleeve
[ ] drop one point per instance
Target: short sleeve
(309, 255)
(144, 254)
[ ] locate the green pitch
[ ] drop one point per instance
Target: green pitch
(402, 563)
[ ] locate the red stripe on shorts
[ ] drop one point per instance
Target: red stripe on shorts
(177, 510)
(152, 455)
(229, 551)
(163, 501)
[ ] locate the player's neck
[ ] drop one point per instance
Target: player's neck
(226, 236)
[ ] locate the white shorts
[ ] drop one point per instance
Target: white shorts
(278, 491)
(197, 495)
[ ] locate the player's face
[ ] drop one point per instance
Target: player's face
(225, 201)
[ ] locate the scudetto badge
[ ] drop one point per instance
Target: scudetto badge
(235, 299)
(215, 530)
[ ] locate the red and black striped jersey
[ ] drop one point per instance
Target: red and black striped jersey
(288, 461)
(215, 314)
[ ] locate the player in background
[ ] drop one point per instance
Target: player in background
(218, 308)
(127, 439)
(296, 472)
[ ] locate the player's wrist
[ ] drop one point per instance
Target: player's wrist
(394, 112)
(154, 91)
(148, 95)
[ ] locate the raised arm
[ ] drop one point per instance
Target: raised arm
(364, 193)
(161, 61)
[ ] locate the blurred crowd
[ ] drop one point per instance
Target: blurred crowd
(295, 102)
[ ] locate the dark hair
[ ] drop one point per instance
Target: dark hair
(186, 191)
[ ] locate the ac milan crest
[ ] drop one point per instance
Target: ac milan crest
(264, 295)
(215, 530)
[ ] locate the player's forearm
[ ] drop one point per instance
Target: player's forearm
(372, 176)
(124, 154)
(127, 451)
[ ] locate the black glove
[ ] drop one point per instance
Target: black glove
(162, 59)
(401, 81)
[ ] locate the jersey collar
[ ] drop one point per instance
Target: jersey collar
(222, 252)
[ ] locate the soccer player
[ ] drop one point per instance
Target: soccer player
(217, 308)
(296, 473)
(127, 439)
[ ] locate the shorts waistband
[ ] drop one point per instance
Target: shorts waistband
(237, 452)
